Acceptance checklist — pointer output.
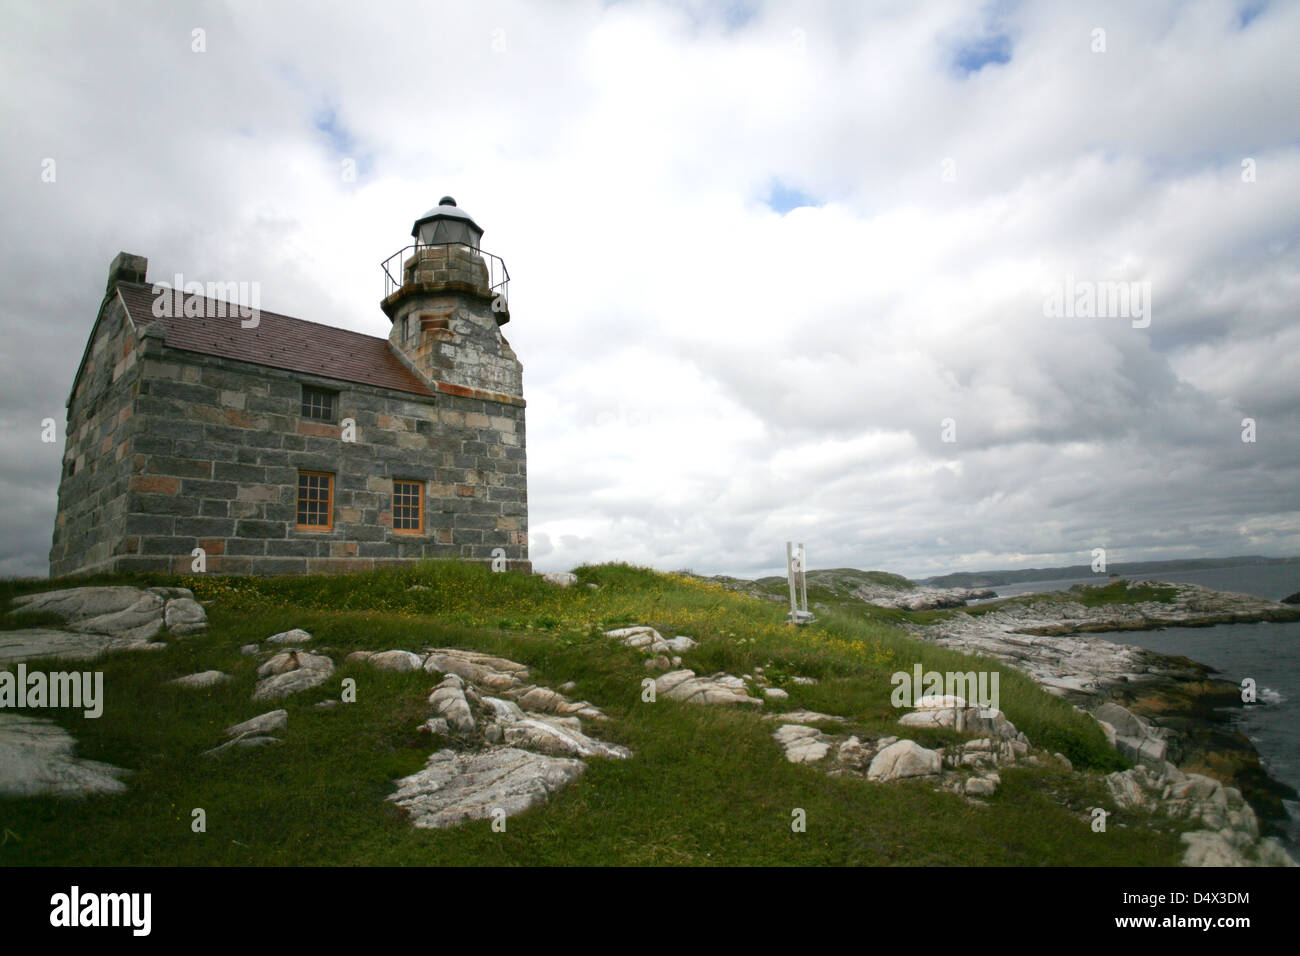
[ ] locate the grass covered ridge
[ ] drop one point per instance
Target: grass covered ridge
(705, 784)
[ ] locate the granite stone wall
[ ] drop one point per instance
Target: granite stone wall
(220, 446)
(96, 478)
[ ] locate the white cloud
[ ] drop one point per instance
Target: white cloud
(706, 377)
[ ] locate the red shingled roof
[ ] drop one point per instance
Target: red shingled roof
(278, 341)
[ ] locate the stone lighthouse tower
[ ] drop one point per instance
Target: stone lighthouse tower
(447, 300)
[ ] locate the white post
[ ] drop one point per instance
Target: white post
(803, 578)
(789, 573)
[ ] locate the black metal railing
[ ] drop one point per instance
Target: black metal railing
(498, 277)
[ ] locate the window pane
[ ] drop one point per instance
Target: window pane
(318, 404)
(407, 506)
(314, 501)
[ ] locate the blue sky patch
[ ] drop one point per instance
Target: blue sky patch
(340, 140)
(783, 198)
(1249, 12)
(974, 56)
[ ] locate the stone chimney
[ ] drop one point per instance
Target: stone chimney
(126, 267)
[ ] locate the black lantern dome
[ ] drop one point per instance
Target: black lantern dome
(445, 223)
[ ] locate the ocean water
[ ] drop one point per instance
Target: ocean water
(1267, 652)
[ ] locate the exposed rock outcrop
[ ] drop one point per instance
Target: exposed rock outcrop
(920, 598)
(102, 619)
(455, 787)
(201, 679)
(37, 758)
(512, 742)
(1230, 834)
(651, 641)
(291, 672)
(718, 688)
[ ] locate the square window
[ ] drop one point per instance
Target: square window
(315, 501)
(408, 507)
(318, 404)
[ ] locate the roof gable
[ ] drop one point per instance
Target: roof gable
(277, 341)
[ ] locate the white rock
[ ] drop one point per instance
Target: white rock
(295, 636)
(927, 718)
(804, 717)
(547, 736)
(644, 638)
(717, 689)
(802, 744)
(1207, 848)
(775, 693)
(853, 753)
(1271, 853)
(37, 759)
(184, 616)
(291, 672)
(201, 679)
(932, 701)
(453, 788)
(974, 720)
(100, 610)
(396, 661)
(436, 725)
(99, 619)
(533, 697)
(504, 711)
(904, 759)
(448, 700)
(279, 664)
(494, 673)
(261, 724)
(562, 578)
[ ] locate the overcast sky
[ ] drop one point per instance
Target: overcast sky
(765, 257)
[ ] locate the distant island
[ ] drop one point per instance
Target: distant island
(1134, 569)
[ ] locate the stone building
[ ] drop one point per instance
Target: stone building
(278, 445)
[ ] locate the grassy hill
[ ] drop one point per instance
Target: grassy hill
(706, 785)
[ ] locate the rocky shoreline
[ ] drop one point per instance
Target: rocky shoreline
(920, 598)
(1167, 714)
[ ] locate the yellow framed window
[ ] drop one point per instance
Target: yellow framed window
(408, 507)
(315, 501)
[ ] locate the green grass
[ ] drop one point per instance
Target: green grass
(1121, 592)
(706, 785)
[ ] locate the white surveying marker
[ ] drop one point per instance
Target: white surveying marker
(795, 563)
